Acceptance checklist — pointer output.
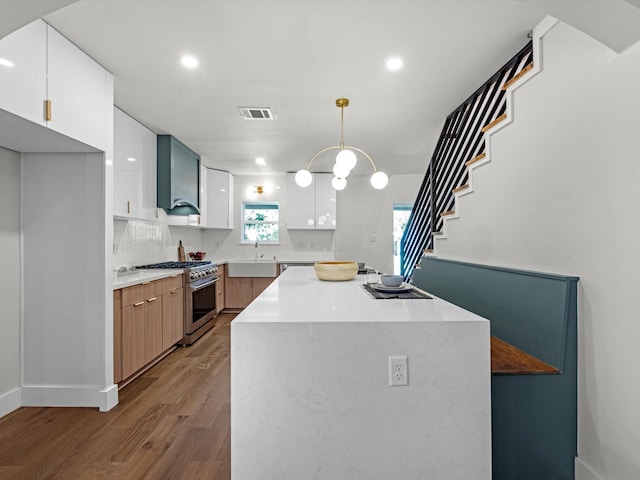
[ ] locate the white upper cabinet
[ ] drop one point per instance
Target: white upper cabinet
(325, 214)
(46, 79)
(134, 173)
(219, 201)
(203, 195)
(23, 72)
(77, 90)
(312, 207)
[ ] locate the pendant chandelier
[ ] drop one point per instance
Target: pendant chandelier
(346, 160)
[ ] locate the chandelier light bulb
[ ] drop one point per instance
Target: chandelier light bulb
(339, 183)
(303, 178)
(340, 170)
(379, 180)
(347, 158)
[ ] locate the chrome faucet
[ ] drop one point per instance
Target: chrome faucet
(256, 245)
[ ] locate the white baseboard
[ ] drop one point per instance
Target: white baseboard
(10, 401)
(108, 398)
(61, 396)
(585, 472)
(104, 399)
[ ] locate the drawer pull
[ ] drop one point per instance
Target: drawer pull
(145, 283)
(173, 292)
(151, 299)
(138, 304)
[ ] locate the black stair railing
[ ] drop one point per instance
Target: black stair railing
(461, 140)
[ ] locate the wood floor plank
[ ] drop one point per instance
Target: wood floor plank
(173, 422)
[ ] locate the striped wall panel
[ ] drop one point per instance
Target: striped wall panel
(461, 140)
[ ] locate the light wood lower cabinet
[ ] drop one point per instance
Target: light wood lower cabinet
(260, 284)
(152, 344)
(241, 291)
(148, 320)
(132, 338)
(220, 290)
(173, 317)
(117, 336)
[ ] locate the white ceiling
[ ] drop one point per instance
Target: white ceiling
(297, 57)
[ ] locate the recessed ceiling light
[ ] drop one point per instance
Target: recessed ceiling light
(6, 63)
(131, 159)
(260, 161)
(394, 64)
(189, 62)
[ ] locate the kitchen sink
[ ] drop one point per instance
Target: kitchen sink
(251, 268)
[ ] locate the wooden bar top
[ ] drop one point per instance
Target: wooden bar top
(509, 360)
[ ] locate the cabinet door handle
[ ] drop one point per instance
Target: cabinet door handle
(138, 304)
(47, 110)
(151, 299)
(128, 206)
(173, 292)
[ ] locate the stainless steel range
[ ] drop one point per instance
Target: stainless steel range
(199, 296)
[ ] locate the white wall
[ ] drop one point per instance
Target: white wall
(365, 214)
(10, 281)
(562, 195)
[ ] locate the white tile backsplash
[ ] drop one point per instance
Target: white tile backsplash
(140, 242)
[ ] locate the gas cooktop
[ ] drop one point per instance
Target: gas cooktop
(175, 264)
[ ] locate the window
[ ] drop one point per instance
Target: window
(260, 222)
(401, 212)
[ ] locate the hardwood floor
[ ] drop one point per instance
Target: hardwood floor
(171, 423)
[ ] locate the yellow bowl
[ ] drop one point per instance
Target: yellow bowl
(336, 271)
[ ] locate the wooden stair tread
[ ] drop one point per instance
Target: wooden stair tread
(509, 360)
(518, 76)
(460, 188)
(475, 159)
(494, 123)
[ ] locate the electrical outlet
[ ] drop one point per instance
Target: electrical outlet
(398, 371)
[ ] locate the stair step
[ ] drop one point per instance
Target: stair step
(494, 123)
(475, 159)
(448, 213)
(518, 76)
(460, 188)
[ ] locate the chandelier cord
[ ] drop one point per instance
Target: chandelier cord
(341, 126)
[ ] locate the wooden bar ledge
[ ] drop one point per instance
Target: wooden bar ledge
(509, 360)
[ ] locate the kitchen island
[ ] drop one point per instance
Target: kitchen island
(311, 395)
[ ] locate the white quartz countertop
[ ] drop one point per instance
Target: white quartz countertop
(298, 296)
(143, 276)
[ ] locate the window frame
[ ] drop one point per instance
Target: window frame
(244, 223)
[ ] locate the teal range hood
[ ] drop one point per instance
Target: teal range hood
(178, 177)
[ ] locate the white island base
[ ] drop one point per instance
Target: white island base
(310, 393)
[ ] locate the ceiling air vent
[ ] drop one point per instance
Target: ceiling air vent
(256, 113)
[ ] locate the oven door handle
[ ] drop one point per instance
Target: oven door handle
(203, 285)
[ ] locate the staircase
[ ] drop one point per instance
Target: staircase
(461, 147)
